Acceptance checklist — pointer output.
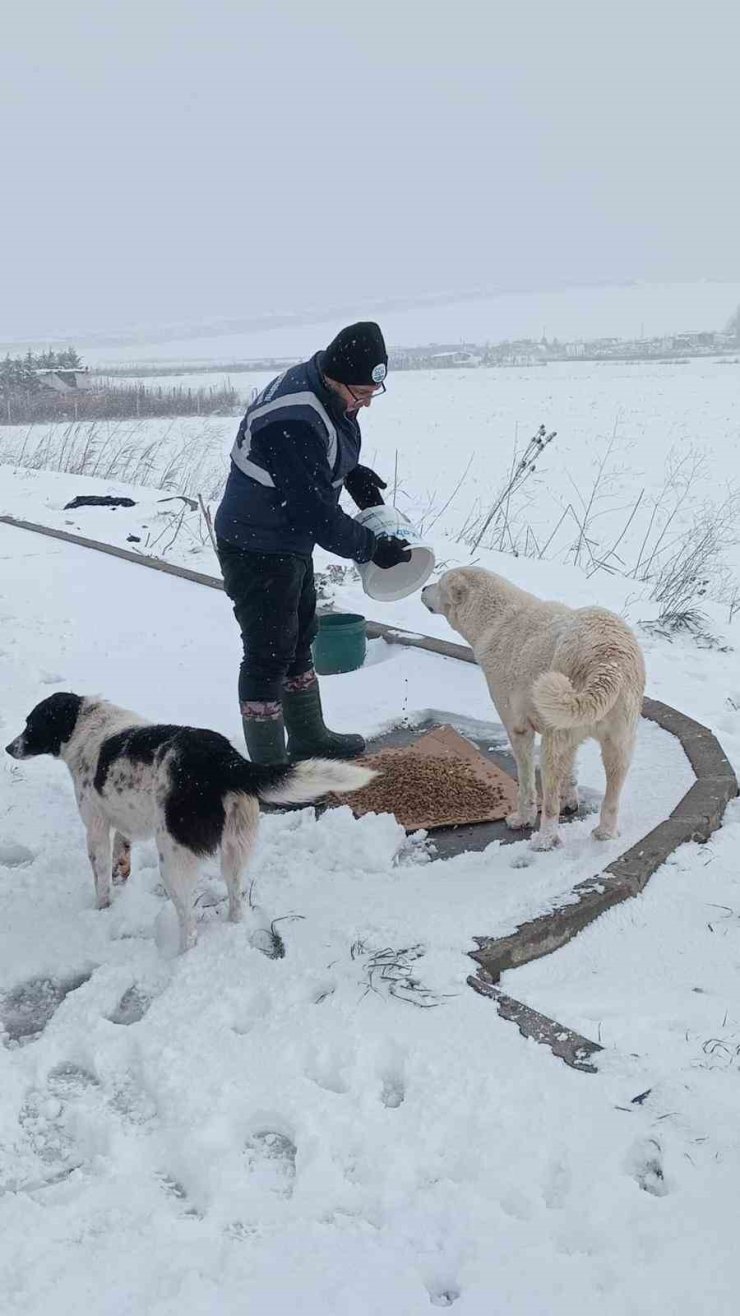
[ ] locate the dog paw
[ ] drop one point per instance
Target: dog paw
(601, 833)
(518, 821)
(545, 841)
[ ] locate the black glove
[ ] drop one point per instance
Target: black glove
(389, 551)
(363, 487)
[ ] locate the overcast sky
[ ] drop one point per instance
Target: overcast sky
(180, 160)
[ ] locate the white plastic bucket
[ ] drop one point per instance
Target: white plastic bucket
(400, 581)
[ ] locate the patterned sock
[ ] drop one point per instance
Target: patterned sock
(296, 684)
(262, 710)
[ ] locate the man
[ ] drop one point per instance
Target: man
(297, 446)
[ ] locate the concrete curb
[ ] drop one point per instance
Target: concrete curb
(570, 1047)
(695, 817)
(112, 550)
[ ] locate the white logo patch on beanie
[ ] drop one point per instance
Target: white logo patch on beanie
(378, 374)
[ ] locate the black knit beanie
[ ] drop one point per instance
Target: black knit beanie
(357, 355)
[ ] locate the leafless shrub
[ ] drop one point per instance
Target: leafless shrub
(495, 523)
(190, 462)
(685, 570)
(682, 476)
(111, 401)
(189, 526)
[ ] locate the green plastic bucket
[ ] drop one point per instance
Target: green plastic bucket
(341, 643)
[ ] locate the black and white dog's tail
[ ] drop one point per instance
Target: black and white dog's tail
(300, 783)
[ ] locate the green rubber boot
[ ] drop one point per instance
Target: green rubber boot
(265, 739)
(308, 736)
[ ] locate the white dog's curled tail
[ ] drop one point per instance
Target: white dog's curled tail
(561, 706)
(303, 782)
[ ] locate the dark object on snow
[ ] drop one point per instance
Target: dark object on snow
(641, 1096)
(98, 500)
(133, 539)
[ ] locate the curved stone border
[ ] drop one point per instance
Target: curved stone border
(574, 1050)
(694, 818)
(697, 815)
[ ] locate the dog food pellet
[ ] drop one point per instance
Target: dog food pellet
(424, 790)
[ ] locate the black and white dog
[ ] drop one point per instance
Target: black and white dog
(186, 787)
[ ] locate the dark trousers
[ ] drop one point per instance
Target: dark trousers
(274, 598)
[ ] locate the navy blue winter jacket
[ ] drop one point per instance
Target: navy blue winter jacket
(294, 448)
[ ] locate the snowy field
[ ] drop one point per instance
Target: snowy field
(638, 446)
(227, 1132)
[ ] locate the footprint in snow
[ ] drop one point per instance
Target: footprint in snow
(645, 1165)
(556, 1186)
(174, 1189)
(393, 1084)
(522, 860)
(15, 855)
(443, 1297)
(271, 1158)
(45, 1153)
(328, 1069)
(68, 1080)
(392, 1092)
(132, 1007)
(26, 1010)
(47, 1150)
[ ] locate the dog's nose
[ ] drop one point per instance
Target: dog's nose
(13, 749)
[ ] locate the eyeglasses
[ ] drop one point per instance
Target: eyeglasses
(366, 397)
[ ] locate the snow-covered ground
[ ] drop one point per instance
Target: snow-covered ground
(271, 1135)
(227, 1132)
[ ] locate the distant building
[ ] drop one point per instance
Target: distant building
(457, 358)
(64, 381)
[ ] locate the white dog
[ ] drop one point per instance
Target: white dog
(567, 674)
(187, 787)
